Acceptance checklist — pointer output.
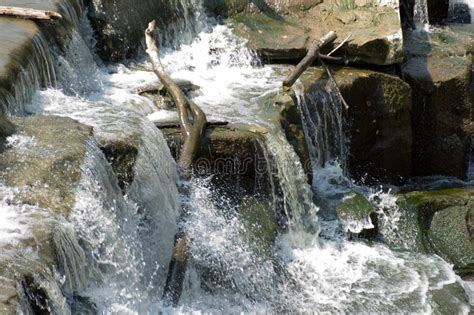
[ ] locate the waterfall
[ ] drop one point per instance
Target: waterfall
(38, 72)
(324, 127)
(113, 251)
(297, 195)
(421, 17)
(323, 120)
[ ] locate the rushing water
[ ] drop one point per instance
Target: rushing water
(116, 248)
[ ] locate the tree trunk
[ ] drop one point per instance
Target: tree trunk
(30, 14)
(312, 54)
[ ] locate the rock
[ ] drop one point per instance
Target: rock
(452, 238)
(354, 211)
(121, 150)
(290, 120)
(379, 120)
(460, 13)
(284, 37)
(437, 11)
(40, 173)
(260, 224)
(440, 221)
(225, 152)
(49, 177)
(6, 129)
(120, 25)
(439, 71)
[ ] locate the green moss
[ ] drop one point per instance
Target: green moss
(438, 199)
(451, 238)
(259, 223)
(354, 207)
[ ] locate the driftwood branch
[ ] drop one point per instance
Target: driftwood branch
(192, 119)
(339, 94)
(30, 14)
(312, 54)
(346, 40)
(192, 122)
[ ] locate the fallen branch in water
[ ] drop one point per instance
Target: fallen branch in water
(192, 127)
(192, 122)
(312, 54)
(339, 94)
(30, 14)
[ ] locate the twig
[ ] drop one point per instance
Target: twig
(312, 54)
(346, 106)
(347, 39)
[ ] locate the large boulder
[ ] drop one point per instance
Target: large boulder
(440, 221)
(452, 236)
(378, 116)
(439, 69)
(283, 32)
(40, 173)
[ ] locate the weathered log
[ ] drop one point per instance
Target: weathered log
(30, 14)
(192, 122)
(192, 130)
(312, 54)
(176, 271)
(170, 124)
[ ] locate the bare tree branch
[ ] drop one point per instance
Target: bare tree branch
(30, 14)
(312, 54)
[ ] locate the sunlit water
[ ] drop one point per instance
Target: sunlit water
(312, 267)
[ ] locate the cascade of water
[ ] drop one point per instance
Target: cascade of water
(127, 243)
(106, 225)
(298, 204)
(421, 13)
(37, 73)
(323, 121)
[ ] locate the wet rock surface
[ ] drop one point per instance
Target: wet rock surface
(120, 25)
(292, 124)
(444, 220)
(379, 119)
(439, 69)
(283, 35)
(41, 169)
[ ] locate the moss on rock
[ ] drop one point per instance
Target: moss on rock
(354, 207)
(451, 238)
